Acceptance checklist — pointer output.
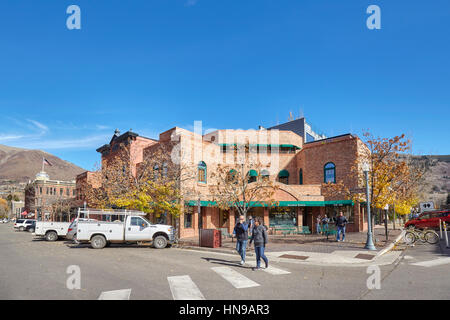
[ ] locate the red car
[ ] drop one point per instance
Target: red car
(429, 220)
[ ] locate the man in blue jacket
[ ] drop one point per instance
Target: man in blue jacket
(241, 232)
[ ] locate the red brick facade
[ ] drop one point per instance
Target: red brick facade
(302, 200)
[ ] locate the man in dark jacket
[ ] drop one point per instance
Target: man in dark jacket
(241, 232)
(341, 223)
(259, 236)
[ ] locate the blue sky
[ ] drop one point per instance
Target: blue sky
(155, 64)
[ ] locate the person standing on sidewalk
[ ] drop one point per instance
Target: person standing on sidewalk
(325, 222)
(341, 223)
(241, 232)
(259, 235)
(251, 224)
(318, 220)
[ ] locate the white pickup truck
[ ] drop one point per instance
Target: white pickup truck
(122, 227)
(51, 230)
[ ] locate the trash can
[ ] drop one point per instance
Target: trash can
(210, 238)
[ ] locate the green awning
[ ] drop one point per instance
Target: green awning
(253, 173)
(283, 174)
(193, 203)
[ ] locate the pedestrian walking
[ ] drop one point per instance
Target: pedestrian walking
(259, 236)
(241, 232)
(251, 224)
(325, 222)
(341, 223)
(318, 220)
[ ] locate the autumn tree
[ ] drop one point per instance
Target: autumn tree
(152, 186)
(239, 186)
(4, 208)
(392, 177)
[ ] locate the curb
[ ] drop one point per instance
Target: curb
(390, 246)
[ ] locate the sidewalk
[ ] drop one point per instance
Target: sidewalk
(316, 248)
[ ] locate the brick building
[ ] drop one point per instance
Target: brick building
(298, 169)
(42, 193)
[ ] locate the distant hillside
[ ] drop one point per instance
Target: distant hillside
(436, 185)
(20, 165)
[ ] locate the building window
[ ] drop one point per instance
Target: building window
(68, 192)
(155, 172)
(164, 172)
(300, 176)
(74, 193)
(202, 172)
(40, 190)
(252, 176)
(231, 176)
(188, 217)
(329, 173)
(332, 212)
(265, 175)
(283, 176)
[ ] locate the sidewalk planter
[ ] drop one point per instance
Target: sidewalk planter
(210, 238)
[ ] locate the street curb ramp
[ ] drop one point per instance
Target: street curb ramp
(390, 246)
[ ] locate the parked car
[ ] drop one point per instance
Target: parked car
(72, 231)
(132, 227)
(21, 224)
(429, 220)
(31, 227)
(51, 230)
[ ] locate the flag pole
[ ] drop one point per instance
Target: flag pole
(42, 164)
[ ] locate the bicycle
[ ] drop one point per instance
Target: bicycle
(429, 236)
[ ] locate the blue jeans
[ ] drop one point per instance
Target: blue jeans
(317, 228)
(339, 231)
(241, 246)
(260, 254)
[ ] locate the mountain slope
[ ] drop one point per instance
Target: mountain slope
(21, 165)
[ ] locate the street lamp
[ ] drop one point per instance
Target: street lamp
(369, 243)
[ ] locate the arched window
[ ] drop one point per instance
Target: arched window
(265, 174)
(231, 175)
(164, 172)
(202, 172)
(283, 176)
(329, 173)
(252, 176)
(155, 172)
(300, 176)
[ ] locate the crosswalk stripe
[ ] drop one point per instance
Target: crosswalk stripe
(432, 263)
(183, 288)
(272, 270)
(238, 280)
(115, 295)
(276, 271)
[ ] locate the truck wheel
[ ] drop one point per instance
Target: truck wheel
(31, 230)
(98, 242)
(21, 228)
(160, 242)
(51, 236)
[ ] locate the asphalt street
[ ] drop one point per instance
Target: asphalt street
(35, 269)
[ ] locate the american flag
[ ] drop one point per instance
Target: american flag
(47, 162)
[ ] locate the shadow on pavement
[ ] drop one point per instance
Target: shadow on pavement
(226, 262)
